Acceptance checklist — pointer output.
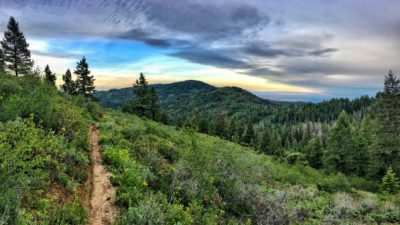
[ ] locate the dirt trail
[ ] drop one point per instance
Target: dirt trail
(102, 208)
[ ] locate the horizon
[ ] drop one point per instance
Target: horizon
(280, 97)
(308, 51)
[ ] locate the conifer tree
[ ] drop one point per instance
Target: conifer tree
(232, 127)
(17, 56)
(360, 153)
(154, 107)
(191, 121)
(390, 183)
(385, 148)
(69, 85)
(221, 122)
(367, 129)
(49, 76)
(204, 126)
(145, 101)
(338, 156)
(138, 104)
(314, 152)
(248, 135)
(2, 65)
(266, 143)
(84, 82)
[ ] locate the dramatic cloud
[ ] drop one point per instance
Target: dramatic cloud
(140, 35)
(260, 50)
(211, 58)
(323, 52)
(332, 45)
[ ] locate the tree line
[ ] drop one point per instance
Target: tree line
(365, 144)
(15, 57)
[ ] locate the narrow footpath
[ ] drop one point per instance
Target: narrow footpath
(102, 208)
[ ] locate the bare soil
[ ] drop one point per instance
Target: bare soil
(102, 208)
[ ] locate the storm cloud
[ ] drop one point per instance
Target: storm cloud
(306, 43)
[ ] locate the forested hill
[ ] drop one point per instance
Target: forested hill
(180, 99)
(115, 98)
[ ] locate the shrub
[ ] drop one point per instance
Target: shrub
(150, 210)
(68, 214)
(333, 183)
(296, 158)
(175, 214)
(118, 159)
(130, 187)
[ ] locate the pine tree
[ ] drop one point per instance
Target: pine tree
(248, 135)
(84, 82)
(69, 85)
(192, 121)
(314, 152)
(360, 153)
(385, 147)
(390, 183)
(154, 107)
(145, 101)
(232, 127)
(138, 104)
(367, 129)
(266, 143)
(17, 56)
(338, 155)
(221, 124)
(2, 65)
(204, 126)
(140, 88)
(49, 76)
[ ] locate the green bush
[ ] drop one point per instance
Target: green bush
(198, 179)
(150, 210)
(176, 214)
(69, 214)
(334, 183)
(118, 159)
(43, 145)
(296, 158)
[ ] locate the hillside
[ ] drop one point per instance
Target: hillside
(115, 98)
(166, 176)
(187, 153)
(180, 99)
(162, 175)
(44, 160)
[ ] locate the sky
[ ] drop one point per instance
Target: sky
(290, 50)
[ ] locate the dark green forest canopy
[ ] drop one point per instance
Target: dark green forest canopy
(180, 99)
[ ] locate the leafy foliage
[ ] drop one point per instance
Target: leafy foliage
(163, 173)
(43, 153)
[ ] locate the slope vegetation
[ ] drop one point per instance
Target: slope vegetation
(169, 176)
(44, 158)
